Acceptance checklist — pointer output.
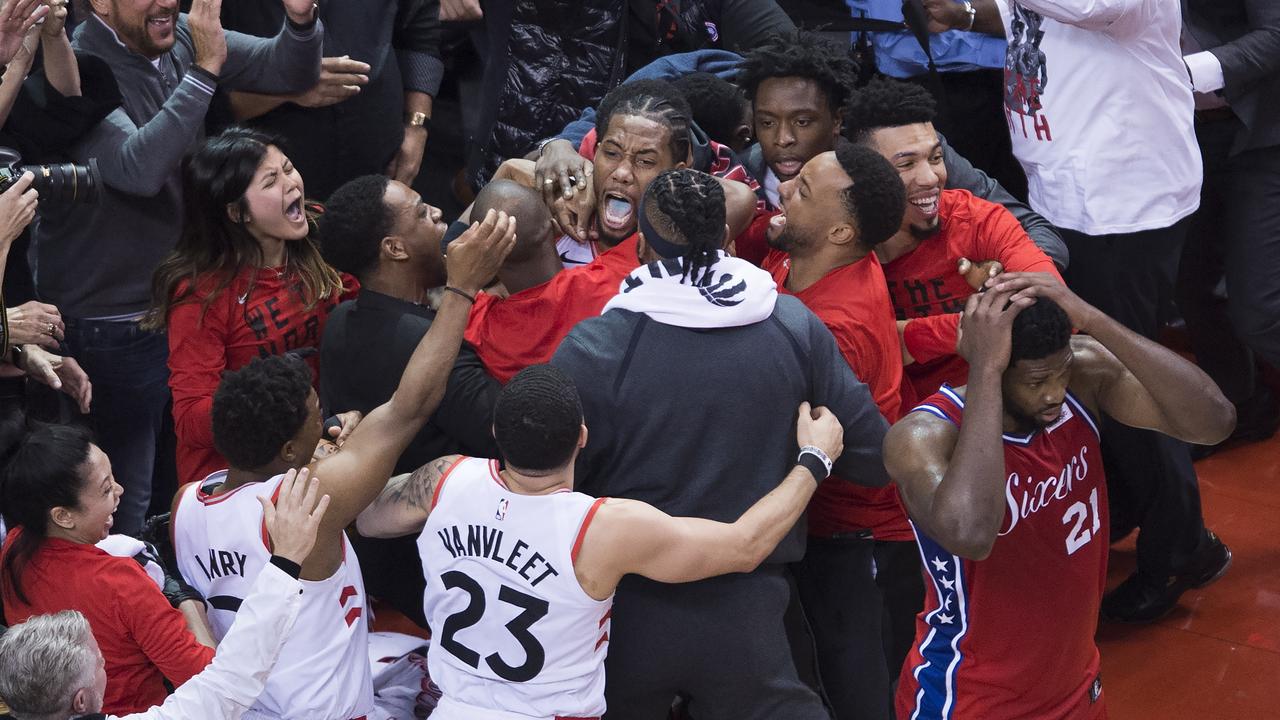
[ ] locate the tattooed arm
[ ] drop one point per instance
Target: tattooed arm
(404, 504)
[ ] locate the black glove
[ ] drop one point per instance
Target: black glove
(175, 589)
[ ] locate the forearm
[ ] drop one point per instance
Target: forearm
(14, 75)
(197, 622)
(139, 160)
(986, 18)
(417, 102)
(286, 64)
(422, 387)
(764, 524)
(247, 105)
(60, 66)
(968, 505)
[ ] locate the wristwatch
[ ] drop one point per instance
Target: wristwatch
(417, 119)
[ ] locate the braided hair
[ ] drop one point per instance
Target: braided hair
(800, 54)
(687, 208)
(536, 420)
(887, 103)
(657, 100)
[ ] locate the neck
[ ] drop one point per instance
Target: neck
(807, 270)
(541, 484)
(897, 246)
(1014, 426)
(61, 533)
(273, 251)
(530, 273)
(398, 282)
(237, 477)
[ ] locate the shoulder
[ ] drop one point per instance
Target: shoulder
(1093, 367)
(917, 440)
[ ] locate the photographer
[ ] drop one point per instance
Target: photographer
(96, 260)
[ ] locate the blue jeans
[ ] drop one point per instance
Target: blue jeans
(129, 369)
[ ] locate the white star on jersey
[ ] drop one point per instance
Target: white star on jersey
(945, 619)
(940, 564)
(948, 584)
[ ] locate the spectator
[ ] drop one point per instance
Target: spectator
(1067, 60)
(96, 260)
(16, 19)
(246, 280)
(59, 496)
(51, 665)
(659, 350)
(719, 108)
(380, 230)
(1234, 58)
(380, 74)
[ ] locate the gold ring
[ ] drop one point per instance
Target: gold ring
(50, 330)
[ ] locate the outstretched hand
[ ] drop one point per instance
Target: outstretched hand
(295, 517)
(821, 428)
(986, 328)
(474, 258)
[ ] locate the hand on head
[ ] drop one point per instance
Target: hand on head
(475, 257)
(986, 328)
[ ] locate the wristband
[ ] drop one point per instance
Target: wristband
(816, 461)
(291, 568)
(470, 298)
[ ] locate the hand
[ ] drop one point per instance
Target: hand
(977, 274)
(474, 258)
(347, 423)
(945, 15)
(460, 10)
(300, 11)
(205, 23)
(573, 213)
(75, 383)
(16, 18)
(17, 208)
(987, 329)
(820, 428)
(35, 323)
(340, 78)
(1028, 286)
(175, 588)
(292, 522)
(558, 162)
(408, 160)
(55, 21)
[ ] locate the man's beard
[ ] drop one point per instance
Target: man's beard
(924, 233)
(786, 241)
(140, 37)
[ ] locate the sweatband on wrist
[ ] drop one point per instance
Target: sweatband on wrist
(816, 461)
(291, 568)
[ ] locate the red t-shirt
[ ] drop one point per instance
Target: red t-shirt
(143, 639)
(203, 343)
(512, 333)
(851, 301)
(924, 283)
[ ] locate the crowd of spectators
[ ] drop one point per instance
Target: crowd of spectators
(613, 245)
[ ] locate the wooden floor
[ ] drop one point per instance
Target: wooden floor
(1217, 655)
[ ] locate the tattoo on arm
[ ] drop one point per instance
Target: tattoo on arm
(415, 489)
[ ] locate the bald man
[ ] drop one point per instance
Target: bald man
(533, 261)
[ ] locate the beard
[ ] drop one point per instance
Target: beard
(139, 36)
(924, 233)
(786, 241)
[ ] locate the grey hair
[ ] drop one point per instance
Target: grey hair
(43, 662)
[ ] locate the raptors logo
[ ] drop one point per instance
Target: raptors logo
(721, 293)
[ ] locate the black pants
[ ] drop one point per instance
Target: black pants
(971, 116)
(861, 597)
(720, 642)
(1150, 479)
(1236, 234)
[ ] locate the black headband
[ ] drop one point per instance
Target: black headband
(654, 239)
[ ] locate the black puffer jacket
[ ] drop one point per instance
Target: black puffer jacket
(550, 59)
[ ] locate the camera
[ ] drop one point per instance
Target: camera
(60, 183)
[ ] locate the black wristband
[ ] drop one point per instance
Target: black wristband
(470, 298)
(813, 464)
(292, 568)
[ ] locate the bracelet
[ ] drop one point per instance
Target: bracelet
(816, 461)
(973, 14)
(470, 298)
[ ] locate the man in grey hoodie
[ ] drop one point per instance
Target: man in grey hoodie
(95, 261)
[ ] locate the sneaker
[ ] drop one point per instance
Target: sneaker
(1140, 599)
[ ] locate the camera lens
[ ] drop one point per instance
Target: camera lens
(63, 183)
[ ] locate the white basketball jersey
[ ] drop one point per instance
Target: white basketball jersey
(323, 670)
(515, 633)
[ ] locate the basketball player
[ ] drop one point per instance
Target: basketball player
(267, 421)
(1003, 481)
(521, 570)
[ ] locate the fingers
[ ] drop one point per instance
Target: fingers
(318, 514)
(268, 511)
(823, 413)
(806, 410)
(964, 266)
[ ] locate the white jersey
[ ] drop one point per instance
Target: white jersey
(516, 636)
(323, 670)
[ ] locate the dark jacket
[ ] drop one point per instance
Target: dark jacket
(1245, 37)
(702, 422)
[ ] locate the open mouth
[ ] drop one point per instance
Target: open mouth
(293, 212)
(927, 203)
(618, 212)
(787, 167)
(163, 23)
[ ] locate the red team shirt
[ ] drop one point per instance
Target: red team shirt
(924, 283)
(851, 301)
(510, 334)
(1011, 636)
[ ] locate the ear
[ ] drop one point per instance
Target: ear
(289, 453)
(643, 251)
(235, 213)
(582, 436)
(101, 7)
(80, 702)
(392, 248)
(727, 242)
(62, 517)
(842, 234)
(742, 135)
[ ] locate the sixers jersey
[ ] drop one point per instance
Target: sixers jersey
(221, 546)
(1011, 636)
(515, 636)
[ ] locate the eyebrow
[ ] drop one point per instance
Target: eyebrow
(805, 183)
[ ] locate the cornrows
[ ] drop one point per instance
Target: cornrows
(657, 100)
(687, 207)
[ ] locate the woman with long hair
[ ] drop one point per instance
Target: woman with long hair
(245, 280)
(58, 497)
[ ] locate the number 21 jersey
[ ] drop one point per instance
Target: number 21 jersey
(1011, 636)
(515, 635)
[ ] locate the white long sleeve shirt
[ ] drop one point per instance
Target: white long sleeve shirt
(1100, 112)
(232, 682)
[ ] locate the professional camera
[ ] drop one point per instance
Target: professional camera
(61, 183)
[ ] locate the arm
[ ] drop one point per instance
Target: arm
(466, 412)
(962, 175)
(287, 63)
(416, 39)
(404, 504)
(1134, 380)
(60, 67)
(15, 73)
(197, 358)
(628, 536)
(1253, 56)
(197, 621)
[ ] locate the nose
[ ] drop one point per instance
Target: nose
(785, 190)
(167, 4)
(925, 176)
(622, 173)
(786, 138)
(434, 213)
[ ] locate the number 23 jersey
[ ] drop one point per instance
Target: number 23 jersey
(514, 632)
(1011, 636)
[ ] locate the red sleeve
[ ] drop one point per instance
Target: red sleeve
(863, 353)
(929, 338)
(159, 630)
(752, 245)
(197, 357)
(1003, 239)
(350, 288)
(587, 148)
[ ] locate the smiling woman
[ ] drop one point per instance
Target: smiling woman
(245, 280)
